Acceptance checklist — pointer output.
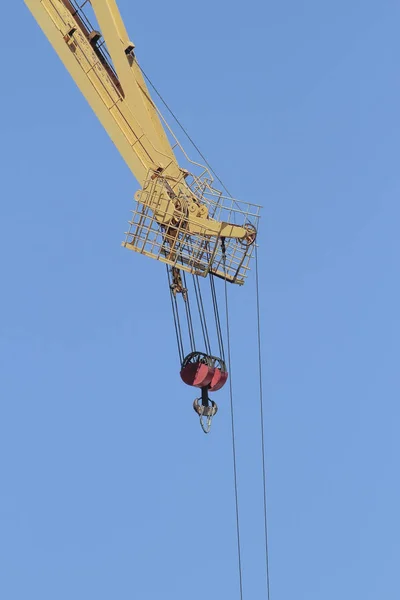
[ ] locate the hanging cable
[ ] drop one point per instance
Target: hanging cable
(175, 313)
(189, 317)
(228, 343)
(216, 316)
(202, 314)
(262, 426)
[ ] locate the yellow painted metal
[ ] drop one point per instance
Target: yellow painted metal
(137, 96)
(126, 128)
(114, 86)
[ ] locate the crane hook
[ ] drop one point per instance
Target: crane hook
(208, 408)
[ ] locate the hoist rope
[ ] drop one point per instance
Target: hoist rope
(261, 395)
(189, 317)
(177, 323)
(202, 314)
(217, 318)
(228, 343)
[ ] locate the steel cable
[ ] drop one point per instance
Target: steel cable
(262, 425)
(217, 318)
(202, 314)
(177, 323)
(228, 343)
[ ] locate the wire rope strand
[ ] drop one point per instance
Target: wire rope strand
(190, 327)
(177, 324)
(202, 315)
(189, 317)
(217, 317)
(178, 329)
(228, 343)
(262, 426)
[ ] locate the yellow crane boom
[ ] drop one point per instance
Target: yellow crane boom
(174, 204)
(121, 102)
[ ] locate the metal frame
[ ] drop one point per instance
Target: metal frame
(201, 253)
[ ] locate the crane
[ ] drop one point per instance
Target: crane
(179, 217)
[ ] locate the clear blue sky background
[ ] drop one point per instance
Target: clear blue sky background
(108, 487)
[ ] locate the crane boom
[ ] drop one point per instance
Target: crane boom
(182, 219)
(122, 103)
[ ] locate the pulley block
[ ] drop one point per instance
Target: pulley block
(203, 370)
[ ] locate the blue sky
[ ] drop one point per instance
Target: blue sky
(108, 487)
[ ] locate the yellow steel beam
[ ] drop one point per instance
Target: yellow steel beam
(127, 116)
(129, 75)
